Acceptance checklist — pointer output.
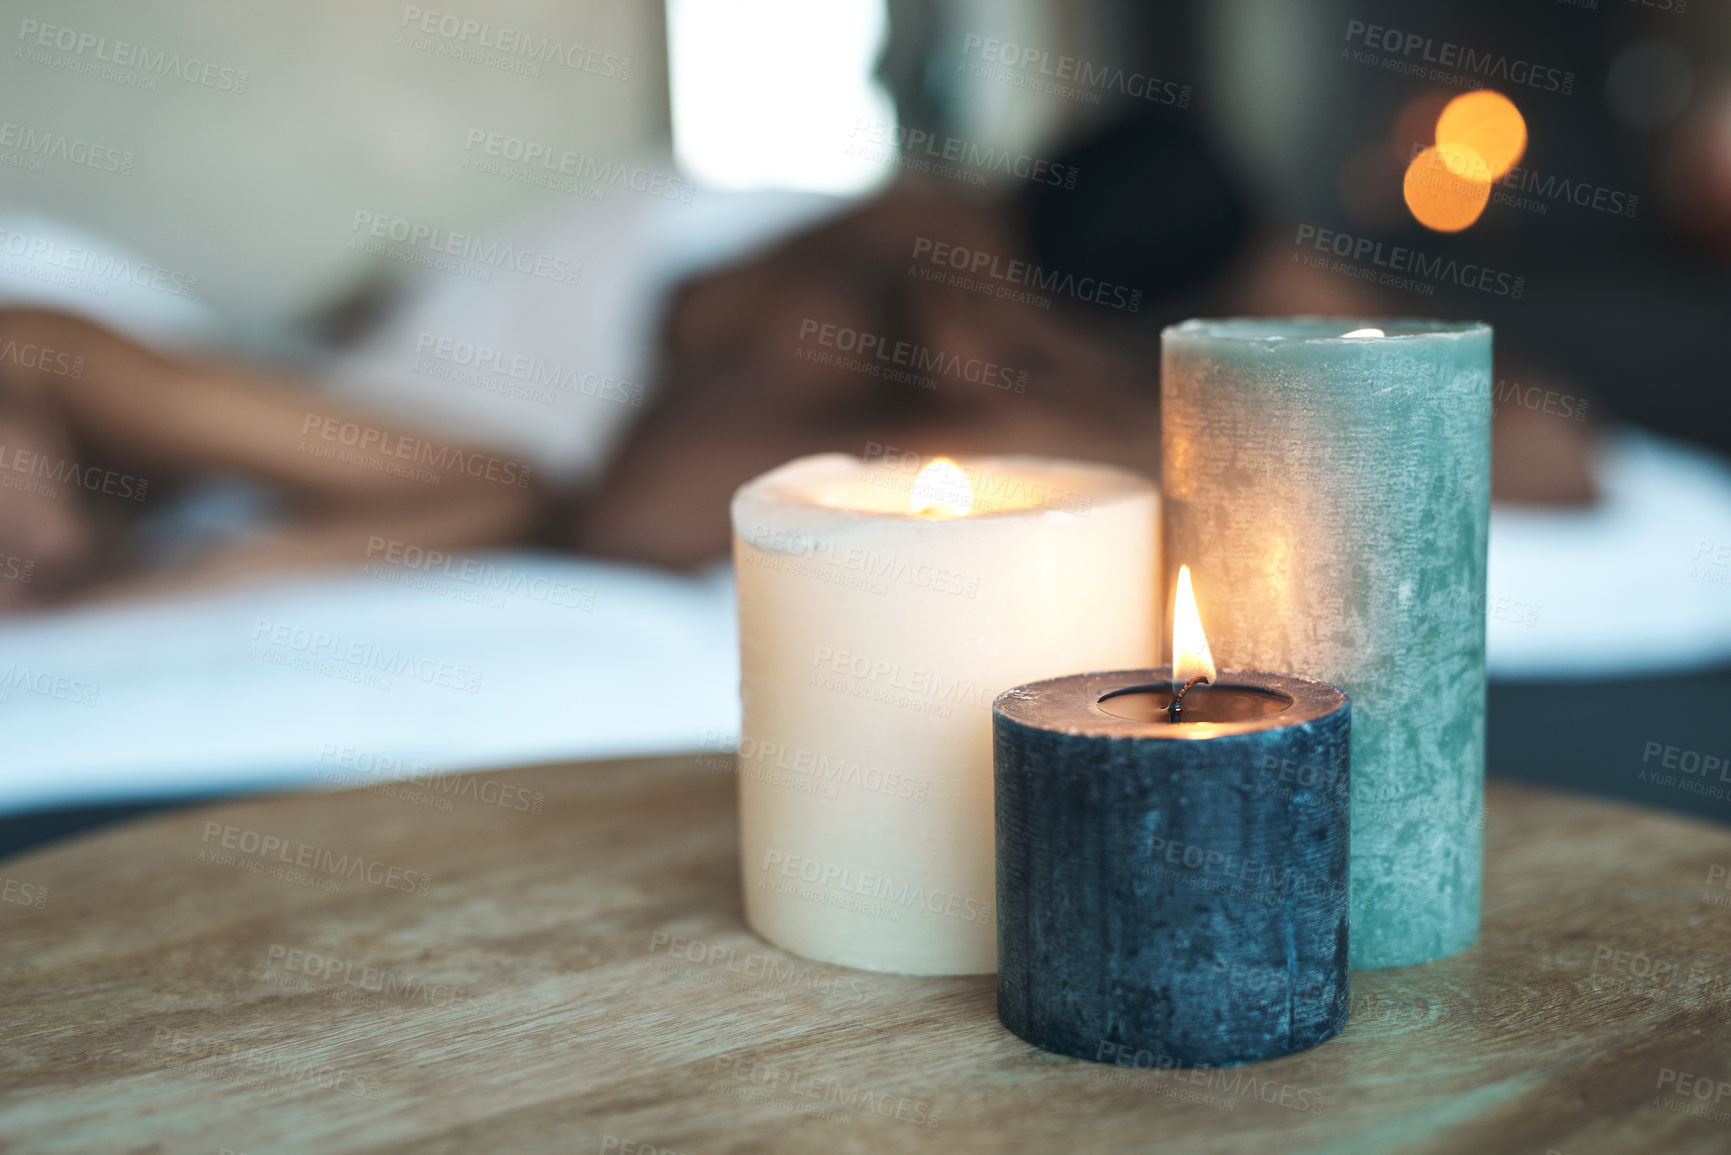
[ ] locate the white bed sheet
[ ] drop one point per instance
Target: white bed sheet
(195, 695)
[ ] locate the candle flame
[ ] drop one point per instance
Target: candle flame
(1359, 334)
(1190, 655)
(942, 490)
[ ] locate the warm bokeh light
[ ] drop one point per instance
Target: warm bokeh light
(942, 490)
(1487, 124)
(1190, 654)
(1445, 188)
(1479, 137)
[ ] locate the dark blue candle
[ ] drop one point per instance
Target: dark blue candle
(1172, 890)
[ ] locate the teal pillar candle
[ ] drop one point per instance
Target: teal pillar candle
(1331, 496)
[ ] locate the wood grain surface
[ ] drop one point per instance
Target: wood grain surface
(576, 977)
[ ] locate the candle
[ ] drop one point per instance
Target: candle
(1172, 882)
(882, 606)
(1329, 483)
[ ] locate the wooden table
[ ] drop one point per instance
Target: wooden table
(576, 977)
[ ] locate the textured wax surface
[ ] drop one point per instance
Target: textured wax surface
(871, 648)
(1172, 899)
(1332, 499)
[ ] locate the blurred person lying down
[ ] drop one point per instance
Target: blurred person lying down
(763, 360)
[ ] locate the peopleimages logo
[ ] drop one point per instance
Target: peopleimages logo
(535, 371)
(385, 770)
(61, 471)
(446, 457)
(891, 676)
(1565, 405)
(40, 144)
(555, 161)
(879, 139)
(1230, 1083)
(904, 894)
(123, 54)
(480, 573)
(286, 644)
(1038, 70)
(24, 893)
(1419, 50)
(442, 242)
(101, 268)
(47, 684)
(897, 468)
(853, 559)
(972, 264)
(1512, 185)
(1387, 262)
(802, 1090)
(877, 352)
(1268, 880)
(321, 859)
(511, 42)
(263, 1069)
(359, 976)
(792, 973)
(752, 753)
(33, 356)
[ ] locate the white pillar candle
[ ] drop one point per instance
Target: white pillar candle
(873, 638)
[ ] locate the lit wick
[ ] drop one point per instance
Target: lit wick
(1192, 663)
(1176, 710)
